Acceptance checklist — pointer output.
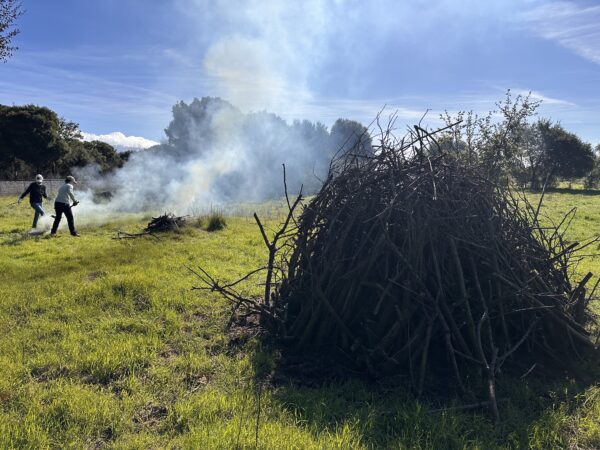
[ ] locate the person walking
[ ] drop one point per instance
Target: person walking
(62, 205)
(36, 192)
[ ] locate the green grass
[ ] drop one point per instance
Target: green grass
(584, 226)
(103, 344)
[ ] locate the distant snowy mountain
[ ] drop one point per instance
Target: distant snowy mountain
(121, 142)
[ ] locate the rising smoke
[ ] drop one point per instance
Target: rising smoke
(262, 58)
(215, 154)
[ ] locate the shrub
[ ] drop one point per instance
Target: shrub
(214, 222)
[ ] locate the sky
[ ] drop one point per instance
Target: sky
(117, 67)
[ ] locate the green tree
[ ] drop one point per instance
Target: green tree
(350, 136)
(34, 139)
(494, 140)
(550, 153)
(29, 138)
(533, 157)
(10, 10)
(81, 154)
(566, 155)
(592, 180)
(69, 131)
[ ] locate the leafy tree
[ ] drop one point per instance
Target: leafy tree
(592, 180)
(566, 155)
(81, 154)
(495, 139)
(196, 126)
(10, 10)
(549, 153)
(258, 143)
(533, 157)
(29, 135)
(350, 136)
(69, 131)
(105, 155)
(34, 139)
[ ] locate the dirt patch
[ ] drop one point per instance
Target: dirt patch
(95, 275)
(150, 415)
(45, 374)
(241, 330)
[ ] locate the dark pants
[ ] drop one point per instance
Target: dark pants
(63, 208)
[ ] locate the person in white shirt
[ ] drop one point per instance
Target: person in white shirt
(62, 205)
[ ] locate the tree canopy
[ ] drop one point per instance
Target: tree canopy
(512, 145)
(258, 143)
(550, 153)
(34, 139)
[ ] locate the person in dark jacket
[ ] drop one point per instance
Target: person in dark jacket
(62, 205)
(36, 192)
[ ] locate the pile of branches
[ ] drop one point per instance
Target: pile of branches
(164, 223)
(408, 262)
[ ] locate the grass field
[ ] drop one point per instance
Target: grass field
(103, 344)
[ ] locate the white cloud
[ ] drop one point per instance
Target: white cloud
(545, 99)
(572, 25)
(120, 141)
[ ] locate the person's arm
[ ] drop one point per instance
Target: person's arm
(71, 195)
(27, 191)
(44, 192)
(22, 196)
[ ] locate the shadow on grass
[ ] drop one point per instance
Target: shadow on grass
(18, 239)
(386, 414)
(589, 192)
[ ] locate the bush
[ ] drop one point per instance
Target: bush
(215, 221)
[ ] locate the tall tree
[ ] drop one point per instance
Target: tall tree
(494, 139)
(10, 10)
(592, 180)
(350, 136)
(567, 156)
(549, 153)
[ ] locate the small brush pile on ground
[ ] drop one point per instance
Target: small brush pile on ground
(166, 222)
(161, 224)
(418, 266)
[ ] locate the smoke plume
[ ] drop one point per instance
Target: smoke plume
(263, 58)
(216, 154)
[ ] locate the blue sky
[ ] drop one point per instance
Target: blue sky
(119, 66)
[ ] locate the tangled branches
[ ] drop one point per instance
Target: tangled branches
(414, 264)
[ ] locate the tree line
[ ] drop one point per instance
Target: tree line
(257, 143)
(34, 139)
(531, 153)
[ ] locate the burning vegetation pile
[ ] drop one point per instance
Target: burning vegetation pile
(166, 222)
(161, 224)
(417, 265)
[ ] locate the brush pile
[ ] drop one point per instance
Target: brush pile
(421, 266)
(410, 262)
(166, 222)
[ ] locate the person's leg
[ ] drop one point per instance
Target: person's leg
(36, 216)
(70, 221)
(58, 211)
(39, 211)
